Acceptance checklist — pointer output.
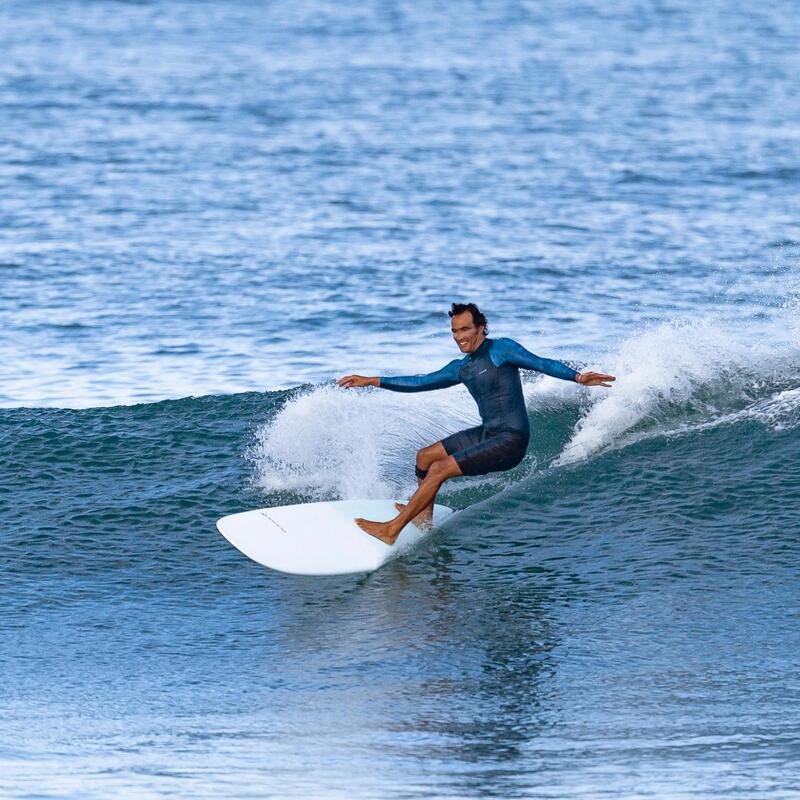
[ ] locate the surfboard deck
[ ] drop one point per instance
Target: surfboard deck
(320, 538)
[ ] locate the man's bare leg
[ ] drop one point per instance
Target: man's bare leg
(425, 457)
(439, 472)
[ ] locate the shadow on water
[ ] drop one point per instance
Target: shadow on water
(454, 667)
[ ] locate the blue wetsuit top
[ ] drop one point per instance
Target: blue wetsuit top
(491, 374)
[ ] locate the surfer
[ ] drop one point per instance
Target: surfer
(490, 371)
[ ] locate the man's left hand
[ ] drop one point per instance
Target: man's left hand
(595, 379)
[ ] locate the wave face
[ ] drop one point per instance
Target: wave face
(628, 592)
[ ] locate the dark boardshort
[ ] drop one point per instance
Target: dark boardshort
(478, 451)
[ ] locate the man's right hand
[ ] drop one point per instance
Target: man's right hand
(352, 381)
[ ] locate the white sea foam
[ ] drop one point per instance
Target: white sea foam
(702, 364)
(349, 443)
(346, 443)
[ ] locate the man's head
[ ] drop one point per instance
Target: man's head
(469, 326)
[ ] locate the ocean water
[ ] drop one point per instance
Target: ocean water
(210, 210)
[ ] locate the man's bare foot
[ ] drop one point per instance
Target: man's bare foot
(423, 520)
(384, 531)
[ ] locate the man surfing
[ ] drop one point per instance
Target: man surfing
(490, 371)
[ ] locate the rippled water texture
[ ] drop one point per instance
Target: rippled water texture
(209, 209)
(228, 196)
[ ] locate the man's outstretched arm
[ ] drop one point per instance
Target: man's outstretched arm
(441, 379)
(507, 351)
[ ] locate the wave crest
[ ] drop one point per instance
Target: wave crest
(674, 376)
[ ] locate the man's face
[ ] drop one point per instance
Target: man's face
(467, 335)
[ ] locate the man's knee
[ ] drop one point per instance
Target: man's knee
(440, 470)
(424, 460)
(427, 455)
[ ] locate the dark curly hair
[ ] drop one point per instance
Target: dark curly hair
(478, 317)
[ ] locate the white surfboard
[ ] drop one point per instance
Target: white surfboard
(320, 538)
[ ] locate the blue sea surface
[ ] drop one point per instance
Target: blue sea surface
(209, 210)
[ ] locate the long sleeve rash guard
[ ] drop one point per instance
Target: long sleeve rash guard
(491, 375)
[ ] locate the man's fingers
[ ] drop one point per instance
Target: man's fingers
(349, 381)
(597, 379)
